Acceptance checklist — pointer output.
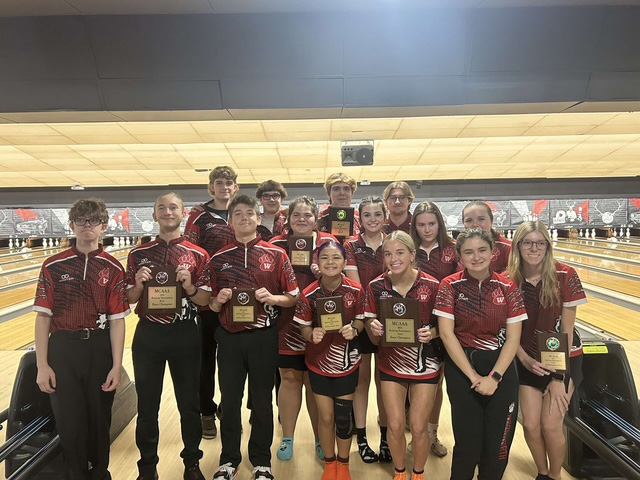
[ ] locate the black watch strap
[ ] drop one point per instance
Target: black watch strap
(496, 376)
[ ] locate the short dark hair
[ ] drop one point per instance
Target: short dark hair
(89, 208)
(223, 171)
(371, 200)
(303, 200)
(271, 186)
(243, 200)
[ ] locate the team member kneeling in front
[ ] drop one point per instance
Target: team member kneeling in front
(333, 356)
(406, 368)
(79, 336)
(552, 291)
(302, 216)
(249, 348)
(168, 338)
(480, 314)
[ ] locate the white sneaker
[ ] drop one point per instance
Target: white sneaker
(226, 472)
(262, 473)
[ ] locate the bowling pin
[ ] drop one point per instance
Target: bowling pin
(11, 243)
(555, 233)
(628, 232)
(593, 233)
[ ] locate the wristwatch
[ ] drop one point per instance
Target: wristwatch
(355, 330)
(496, 376)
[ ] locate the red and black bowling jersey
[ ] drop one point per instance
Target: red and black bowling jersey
(549, 319)
(207, 229)
(440, 262)
(291, 340)
(279, 224)
(323, 224)
(362, 258)
(481, 311)
(159, 253)
(254, 265)
(417, 363)
(333, 356)
(81, 291)
(500, 254)
(389, 226)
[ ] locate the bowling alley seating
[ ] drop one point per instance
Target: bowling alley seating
(33, 446)
(602, 427)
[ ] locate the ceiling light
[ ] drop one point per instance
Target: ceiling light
(77, 187)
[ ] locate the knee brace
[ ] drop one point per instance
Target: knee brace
(342, 413)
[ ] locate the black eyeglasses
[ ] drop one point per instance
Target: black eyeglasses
(398, 198)
(270, 196)
(81, 222)
(528, 244)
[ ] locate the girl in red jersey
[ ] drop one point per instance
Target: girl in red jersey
(302, 215)
(333, 357)
(412, 370)
(552, 291)
(364, 263)
(479, 318)
(435, 255)
(479, 215)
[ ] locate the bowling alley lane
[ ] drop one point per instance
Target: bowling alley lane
(609, 264)
(600, 244)
(587, 249)
(610, 282)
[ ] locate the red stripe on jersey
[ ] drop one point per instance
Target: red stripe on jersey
(333, 356)
(481, 311)
(420, 363)
(548, 319)
(81, 291)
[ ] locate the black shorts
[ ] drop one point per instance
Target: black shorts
(525, 377)
(334, 386)
(365, 344)
(385, 377)
(296, 362)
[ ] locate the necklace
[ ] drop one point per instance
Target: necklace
(534, 280)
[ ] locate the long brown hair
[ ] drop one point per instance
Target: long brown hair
(550, 291)
(444, 240)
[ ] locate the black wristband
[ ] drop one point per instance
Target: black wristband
(192, 294)
(558, 376)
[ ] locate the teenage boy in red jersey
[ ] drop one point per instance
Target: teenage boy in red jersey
(249, 349)
(398, 197)
(207, 227)
(271, 194)
(79, 335)
(340, 188)
(168, 338)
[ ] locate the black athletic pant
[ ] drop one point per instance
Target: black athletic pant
(253, 353)
(81, 409)
(483, 426)
(155, 345)
(209, 323)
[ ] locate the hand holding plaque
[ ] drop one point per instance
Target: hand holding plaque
(300, 250)
(400, 319)
(341, 220)
(162, 295)
(244, 306)
(553, 351)
(329, 311)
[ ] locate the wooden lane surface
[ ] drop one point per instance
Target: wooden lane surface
(618, 321)
(25, 260)
(304, 465)
(613, 254)
(600, 246)
(611, 282)
(611, 265)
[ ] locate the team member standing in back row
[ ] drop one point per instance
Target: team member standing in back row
(398, 197)
(436, 255)
(479, 215)
(79, 337)
(552, 292)
(333, 356)
(207, 227)
(340, 188)
(480, 314)
(271, 194)
(249, 349)
(364, 263)
(168, 338)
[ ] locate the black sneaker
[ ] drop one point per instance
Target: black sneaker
(209, 429)
(193, 473)
(385, 454)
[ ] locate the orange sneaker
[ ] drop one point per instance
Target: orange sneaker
(400, 475)
(343, 471)
(330, 471)
(417, 476)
